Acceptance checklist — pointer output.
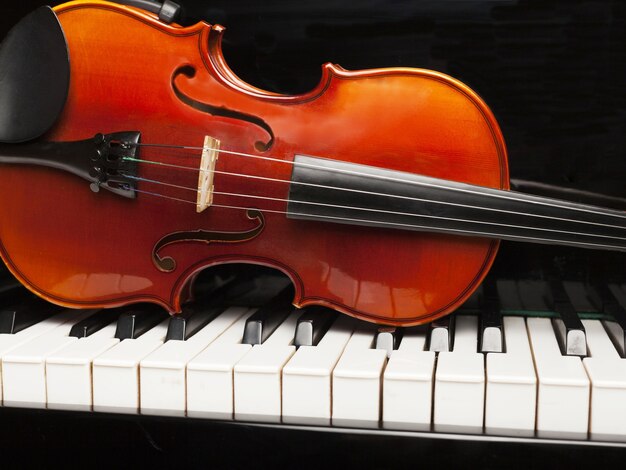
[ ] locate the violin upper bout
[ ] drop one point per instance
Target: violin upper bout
(89, 8)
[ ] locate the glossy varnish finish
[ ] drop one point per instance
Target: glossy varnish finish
(80, 249)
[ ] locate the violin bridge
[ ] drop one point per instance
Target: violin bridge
(210, 154)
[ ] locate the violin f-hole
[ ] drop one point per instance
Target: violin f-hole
(222, 111)
(167, 264)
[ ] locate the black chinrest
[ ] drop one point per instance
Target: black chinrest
(34, 76)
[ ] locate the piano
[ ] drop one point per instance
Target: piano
(524, 363)
(529, 373)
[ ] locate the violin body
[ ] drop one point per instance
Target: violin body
(131, 72)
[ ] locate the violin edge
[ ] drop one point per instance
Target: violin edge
(331, 72)
(183, 288)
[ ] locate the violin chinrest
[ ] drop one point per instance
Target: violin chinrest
(35, 76)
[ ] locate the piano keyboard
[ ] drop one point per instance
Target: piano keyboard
(556, 372)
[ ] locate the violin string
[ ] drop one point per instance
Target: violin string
(509, 195)
(366, 209)
(372, 193)
(172, 198)
(398, 224)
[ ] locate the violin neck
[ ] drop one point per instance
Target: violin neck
(333, 191)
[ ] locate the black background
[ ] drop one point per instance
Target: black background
(553, 72)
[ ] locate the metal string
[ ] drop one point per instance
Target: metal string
(373, 193)
(397, 224)
(338, 206)
(502, 195)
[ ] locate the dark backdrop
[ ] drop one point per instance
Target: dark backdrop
(554, 75)
(553, 72)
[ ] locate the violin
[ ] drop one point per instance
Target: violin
(136, 159)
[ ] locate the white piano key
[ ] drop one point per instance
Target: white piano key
(9, 342)
(563, 390)
(607, 372)
(307, 377)
(617, 334)
(69, 370)
(511, 392)
(24, 368)
(357, 381)
(163, 387)
(116, 371)
(603, 347)
(460, 381)
(257, 376)
(210, 380)
(612, 299)
(408, 385)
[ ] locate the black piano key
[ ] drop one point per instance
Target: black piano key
(569, 329)
(388, 338)
(605, 300)
(313, 325)
(441, 337)
(20, 316)
(94, 323)
(580, 295)
(264, 321)
(135, 321)
(491, 333)
(535, 296)
(193, 318)
(198, 314)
